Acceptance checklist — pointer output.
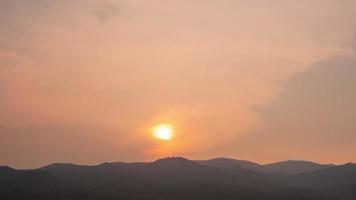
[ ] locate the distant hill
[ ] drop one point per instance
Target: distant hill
(285, 167)
(4, 170)
(176, 178)
(167, 170)
(332, 177)
(295, 167)
(228, 163)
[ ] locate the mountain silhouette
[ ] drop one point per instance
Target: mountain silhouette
(343, 175)
(180, 178)
(295, 166)
(228, 163)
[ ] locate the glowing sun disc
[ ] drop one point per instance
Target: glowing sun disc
(163, 132)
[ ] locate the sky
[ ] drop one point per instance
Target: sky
(84, 81)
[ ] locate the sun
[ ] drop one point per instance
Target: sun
(163, 132)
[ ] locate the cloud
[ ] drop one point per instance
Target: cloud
(202, 65)
(312, 117)
(28, 25)
(107, 11)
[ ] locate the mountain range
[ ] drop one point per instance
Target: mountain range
(180, 178)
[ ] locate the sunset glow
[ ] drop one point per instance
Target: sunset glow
(158, 99)
(163, 132)
(135, 80)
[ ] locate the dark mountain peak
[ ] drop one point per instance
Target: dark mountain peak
(346, 167)
(111, 164)
(230, 163)
(295, 166)
(6, 168)
(118, 165)
(60, 166)
(350, 164)
(224, 159)
(295, 161)
(334, 176)
(174, 161)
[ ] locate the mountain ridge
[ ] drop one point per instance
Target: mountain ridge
(174, 157)
(176, 178)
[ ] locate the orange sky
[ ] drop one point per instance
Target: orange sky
(85, 81)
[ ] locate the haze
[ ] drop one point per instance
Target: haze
(85, 81)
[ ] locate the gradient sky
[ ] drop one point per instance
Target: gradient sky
(85, 80)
